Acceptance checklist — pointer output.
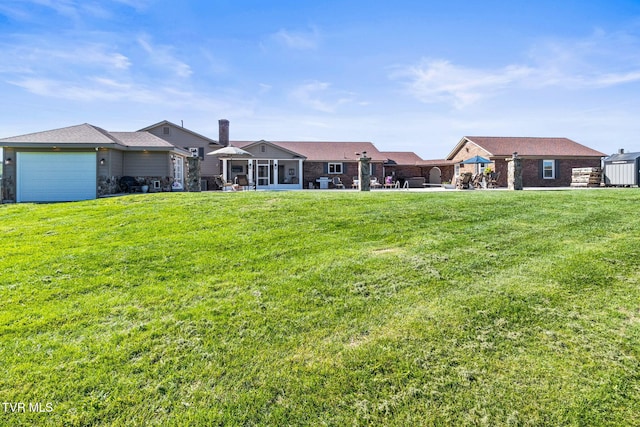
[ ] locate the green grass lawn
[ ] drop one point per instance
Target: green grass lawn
(323, 308)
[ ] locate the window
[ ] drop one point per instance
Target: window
(335, 168)
(548, 169)
(166, 130)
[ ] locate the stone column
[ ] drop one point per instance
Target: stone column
(193, 174)
(514, 172)
(8, 190)
(364, 173)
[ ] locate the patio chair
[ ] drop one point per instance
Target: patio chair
(374, 183)
(493, 180)
(464, 181)
(477, 181)
(388, 182)
(223, 183)
(243, 181)
(355, 182)
(337, 182)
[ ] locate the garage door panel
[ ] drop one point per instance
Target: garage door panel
(55, 177)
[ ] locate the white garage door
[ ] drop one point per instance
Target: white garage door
(55, 177)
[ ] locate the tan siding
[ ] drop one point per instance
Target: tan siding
(146, 163)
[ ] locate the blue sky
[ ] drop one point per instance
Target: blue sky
(405, 75)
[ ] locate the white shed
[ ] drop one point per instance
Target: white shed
(622, 169)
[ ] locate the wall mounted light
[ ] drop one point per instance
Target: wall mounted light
(103, 162)
(8, 161)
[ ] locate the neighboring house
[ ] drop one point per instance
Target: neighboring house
(546, 162)
(84, 162)
(297, 165)
(198, 145)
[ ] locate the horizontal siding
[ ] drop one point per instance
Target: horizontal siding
(270, 152)
(210, 166)
(117, 163)
(146, 163)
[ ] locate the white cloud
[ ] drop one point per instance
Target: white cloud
(76, 10)
(599, 61)
(434, 81)
(318, 96)
(163, 56)
(298, 40)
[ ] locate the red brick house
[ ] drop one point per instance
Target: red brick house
(546, 162)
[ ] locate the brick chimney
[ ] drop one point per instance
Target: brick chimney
(223, 132)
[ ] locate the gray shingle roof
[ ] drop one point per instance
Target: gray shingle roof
(140, 139)
(80, 134)
(86, 135)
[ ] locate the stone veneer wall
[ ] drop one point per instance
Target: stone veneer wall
(8, 192)
(110, 184)
(192, 175)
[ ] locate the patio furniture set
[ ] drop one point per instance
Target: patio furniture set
(478, 181)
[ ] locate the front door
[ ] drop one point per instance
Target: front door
(264, 173)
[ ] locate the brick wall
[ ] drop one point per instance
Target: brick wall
(315, 170)
(531, 172)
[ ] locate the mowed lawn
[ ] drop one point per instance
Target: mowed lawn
(323, 308)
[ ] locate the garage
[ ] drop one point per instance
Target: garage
(55, 176)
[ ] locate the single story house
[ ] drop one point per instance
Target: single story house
(546, 162)
(84, 162)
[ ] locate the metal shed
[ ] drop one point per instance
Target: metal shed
(622, 169)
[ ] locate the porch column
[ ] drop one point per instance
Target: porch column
(364, 173)
(224, 169)
(275, 172)
(300, 169)
(514, 172)
(250, 171)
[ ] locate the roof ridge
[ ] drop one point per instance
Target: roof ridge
(107, 134)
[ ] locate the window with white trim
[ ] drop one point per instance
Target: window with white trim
(335, 168)
(548, 169)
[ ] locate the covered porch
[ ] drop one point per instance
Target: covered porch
(265, 174)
